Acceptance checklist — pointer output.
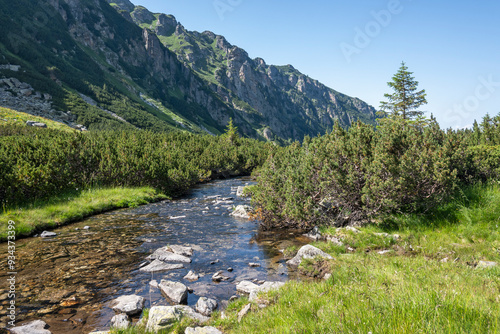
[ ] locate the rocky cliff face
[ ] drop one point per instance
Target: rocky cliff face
(268, 97)
(118, 54)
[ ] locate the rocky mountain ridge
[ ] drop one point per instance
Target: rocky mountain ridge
(145, 70)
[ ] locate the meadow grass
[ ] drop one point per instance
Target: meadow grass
(72, 206)
(10, 116)
(428, 282)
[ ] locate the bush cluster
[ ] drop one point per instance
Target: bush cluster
(350, 176)
(38, 163)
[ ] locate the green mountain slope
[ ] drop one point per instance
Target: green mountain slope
(110, 64)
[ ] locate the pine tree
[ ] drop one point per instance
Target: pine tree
(405, 100)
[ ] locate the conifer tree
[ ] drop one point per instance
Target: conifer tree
(405, 100)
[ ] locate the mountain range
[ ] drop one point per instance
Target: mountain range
(100, 64)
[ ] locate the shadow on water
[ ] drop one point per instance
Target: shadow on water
(68, 281)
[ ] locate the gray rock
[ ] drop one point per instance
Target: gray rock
(253, 264)
(242, 211)
(153, 284)
(206, 306)
(218, 276)
(175, 291)
(385, 251)
(267, 286)
(314, 234)
(158, 265)
(192, 276)
(239, 191)
(334, 240)
(47, 234)
(163, 317)
(86, 227)
(202, 330)
(244, 312)
(246, 287)
(130, 305)
(180, 250)
(120, 321)
(486, 264)
(308, 252)
(34, 327)
(164, 254)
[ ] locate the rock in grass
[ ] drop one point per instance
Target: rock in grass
(34, 327)
(206, 306)
(267, 286)
(158, 265)
(202, 330)
(120, 321)
(47, 234)
(163, 317)
(130, 305)
(308, 252)
(244, 312)
(175, 291)
(486, 264)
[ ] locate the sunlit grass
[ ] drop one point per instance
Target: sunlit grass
(73, 206)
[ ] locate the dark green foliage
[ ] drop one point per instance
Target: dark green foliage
(352, 175)
(37, 163)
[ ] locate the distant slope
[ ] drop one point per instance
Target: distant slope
(118, 66)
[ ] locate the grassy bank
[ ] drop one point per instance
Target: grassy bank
(431, 279)
(71, 206)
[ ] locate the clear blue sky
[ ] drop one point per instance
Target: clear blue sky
(452, 47)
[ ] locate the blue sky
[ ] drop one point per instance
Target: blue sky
(354, 47)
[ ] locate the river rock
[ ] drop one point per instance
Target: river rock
(164, 254)
(47, 234)
(253, 264)
(218, 276)
(314, 234)
(192, 276)
(163, 317)
(34, 327)
(180, 250)
(120, 321)
(130, 305)
(308, 252)
(246, 287)
(202, 330)
(239, 191)
(267, 286)
(242, 211)
(175, 291)
(158, 265)
(206, 306)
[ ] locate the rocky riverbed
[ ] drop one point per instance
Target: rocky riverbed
(71, 280)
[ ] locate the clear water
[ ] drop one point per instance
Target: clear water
(68, 281)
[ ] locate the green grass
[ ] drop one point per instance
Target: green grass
(9, 116)
(427, 283)
(72, 206)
